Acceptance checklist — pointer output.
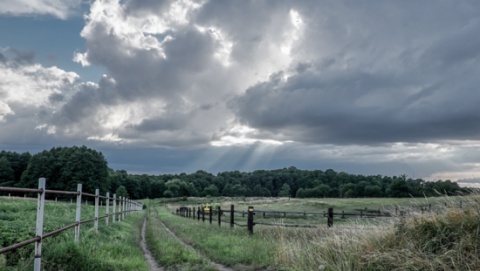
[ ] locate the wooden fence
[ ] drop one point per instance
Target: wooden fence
(121, 206)
(208, 213)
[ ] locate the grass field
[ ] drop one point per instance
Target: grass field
(394, 243)
(445, 237)
(112, 248)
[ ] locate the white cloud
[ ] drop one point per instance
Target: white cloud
(58, 8)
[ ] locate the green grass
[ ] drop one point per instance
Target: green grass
(231, 247)
(112, 248)
(445, 237)
(170, 253)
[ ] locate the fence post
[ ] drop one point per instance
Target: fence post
(95, 223)
(330, 217)
(198, 213)
(79, 209)
(39, 230)
(122, 208)
(193, 212)
(107, 211)
(210, 213)
(232, 211)
(114, 208)
(250, 220)
(203, 214)
(219, 215)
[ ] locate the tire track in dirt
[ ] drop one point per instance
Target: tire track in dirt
(218, 266)
(152, 264)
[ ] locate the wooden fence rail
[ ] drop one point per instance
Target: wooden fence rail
(125, 207)
(208, 211)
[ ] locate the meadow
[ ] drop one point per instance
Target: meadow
(443, 237)
(113, 248)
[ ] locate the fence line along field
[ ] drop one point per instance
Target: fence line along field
(18, 234)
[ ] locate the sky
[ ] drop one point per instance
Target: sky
(158, 86)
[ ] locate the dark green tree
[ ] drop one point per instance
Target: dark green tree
(285, 192)
(122, 192)
(7, 176)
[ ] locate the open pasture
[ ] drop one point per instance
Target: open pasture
(351, 244)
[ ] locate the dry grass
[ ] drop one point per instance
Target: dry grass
(447, 241)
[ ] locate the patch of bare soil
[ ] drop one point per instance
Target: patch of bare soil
(153, 265)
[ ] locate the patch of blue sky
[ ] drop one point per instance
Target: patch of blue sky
(53, 42)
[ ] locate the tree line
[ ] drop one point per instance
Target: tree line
(64, 167)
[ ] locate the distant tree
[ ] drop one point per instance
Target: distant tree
(122, 192)
(168, 194)
(285, 192)
(211, 190)
(18, 163)
(373, 191)
(228, 190)
(65, 167)
(7, 176)
(301, 193)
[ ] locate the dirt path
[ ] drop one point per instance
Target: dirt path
(148, 255)
(218, 266)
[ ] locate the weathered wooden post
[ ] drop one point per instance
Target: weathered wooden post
(198, 213)
(232, 212)
(330, 217)
(203, 213)
(210, 213)
(95, 222)
(107, 211)
(250, 220)
(39, 228)
(122, 208)
(78, 212)
(343, 214)
(219, 215)
(114, 208)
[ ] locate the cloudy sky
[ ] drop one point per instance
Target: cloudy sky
(365, 87)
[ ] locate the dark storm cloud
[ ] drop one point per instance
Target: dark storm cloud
(382, 92)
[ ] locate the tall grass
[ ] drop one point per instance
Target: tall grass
(447, 241)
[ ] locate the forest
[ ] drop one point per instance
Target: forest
(64, 167)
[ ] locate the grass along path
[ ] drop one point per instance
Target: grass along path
(170, 253)
(233, 248)
(152, 264)
(218, 266)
